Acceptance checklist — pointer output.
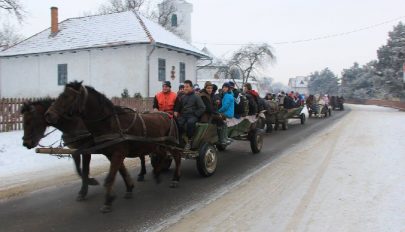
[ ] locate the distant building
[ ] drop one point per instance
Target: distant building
(216, 71)
(299, 84)
(110, 52)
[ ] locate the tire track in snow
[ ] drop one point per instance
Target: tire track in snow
(332, 139)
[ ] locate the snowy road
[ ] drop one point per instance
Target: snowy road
(350, 177)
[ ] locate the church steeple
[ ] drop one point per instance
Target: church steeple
(179, 18)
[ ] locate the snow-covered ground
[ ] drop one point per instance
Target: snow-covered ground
(350, 177)
(23, 170)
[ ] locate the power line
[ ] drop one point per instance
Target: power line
(312, 39)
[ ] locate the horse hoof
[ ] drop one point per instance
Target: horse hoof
(80, 198)
(141, 178)
(93, 182)
(106, 209)
(128, 195)
(174, 184)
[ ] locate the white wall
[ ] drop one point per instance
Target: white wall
(109, 70)
(172, 59)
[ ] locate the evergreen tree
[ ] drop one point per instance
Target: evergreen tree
(391, 58)
(323, 82)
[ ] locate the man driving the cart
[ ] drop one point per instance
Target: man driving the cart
(188, 110)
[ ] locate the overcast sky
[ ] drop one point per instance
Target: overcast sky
(218, 22)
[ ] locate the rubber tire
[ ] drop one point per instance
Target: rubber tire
(256, 142)
(201, 167)
(284, 125)
(303, 119)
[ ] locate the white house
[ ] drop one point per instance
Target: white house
(299, 84)
(109, 52)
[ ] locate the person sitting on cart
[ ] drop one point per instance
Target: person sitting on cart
(165, 100)
(206, 95)
(227, 110)
(253, 98)
(189, 109)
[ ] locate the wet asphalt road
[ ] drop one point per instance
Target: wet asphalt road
(55, 209)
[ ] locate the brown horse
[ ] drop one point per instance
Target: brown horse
(75, 135)
(149, 133)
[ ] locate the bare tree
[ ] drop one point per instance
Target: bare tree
(116, 6)
(246, 61)
(163, 15)
(13, 7)
(8, 36)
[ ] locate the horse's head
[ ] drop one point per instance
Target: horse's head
(34, 122)
(71, 102)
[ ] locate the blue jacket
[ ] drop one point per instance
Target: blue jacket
(228, 106)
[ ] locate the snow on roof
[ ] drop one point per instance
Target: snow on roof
(101, 31)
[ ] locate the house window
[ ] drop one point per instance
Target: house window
(182, 72)
(162, 70)
(62, 74)
(174, 20)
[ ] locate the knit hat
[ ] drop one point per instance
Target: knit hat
(226, 84)
(167, 83)
(231, 84)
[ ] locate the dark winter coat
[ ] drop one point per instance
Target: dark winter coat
(190, 105)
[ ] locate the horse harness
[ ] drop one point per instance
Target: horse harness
(122, 135)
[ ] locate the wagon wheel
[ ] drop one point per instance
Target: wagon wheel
(285, 124)
(207, 160)
(303, 119)
(256, 141)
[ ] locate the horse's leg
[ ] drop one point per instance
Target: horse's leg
(141, 175)
(77, 159)
(157, 169)
(86, 164)
(117, 160)
(127, 179)
(85, 177)
(176, 174)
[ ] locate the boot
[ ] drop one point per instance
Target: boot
(223, 135)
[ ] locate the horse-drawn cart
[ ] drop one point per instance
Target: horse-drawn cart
(205, 145)
(277, 115)
(284, 115)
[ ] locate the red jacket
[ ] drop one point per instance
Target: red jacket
(166, 101)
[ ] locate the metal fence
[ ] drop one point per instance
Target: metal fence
(11, 117)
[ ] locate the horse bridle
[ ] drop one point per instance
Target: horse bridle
(71, 106)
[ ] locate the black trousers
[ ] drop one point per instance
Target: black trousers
(187, 122)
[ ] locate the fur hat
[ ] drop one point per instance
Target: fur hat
(207, 83)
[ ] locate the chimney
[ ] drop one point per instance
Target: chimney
(54, 20)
